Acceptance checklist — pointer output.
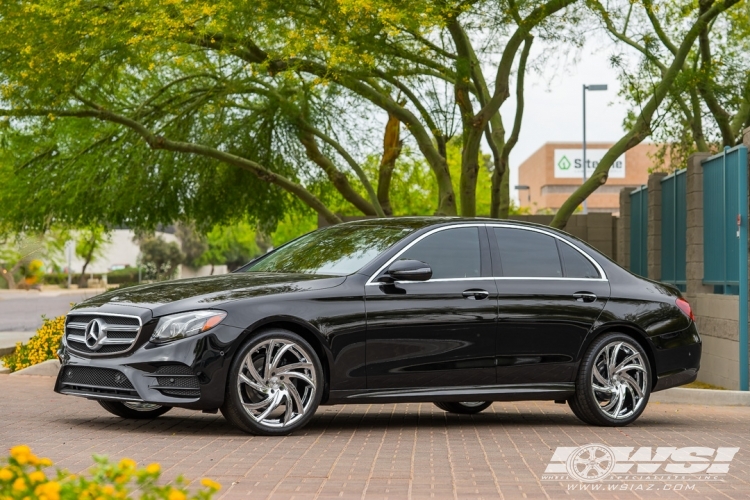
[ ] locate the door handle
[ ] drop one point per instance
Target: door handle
(584, 296)
(476, 294)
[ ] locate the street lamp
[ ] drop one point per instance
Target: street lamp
(524, 187)
(593, 88)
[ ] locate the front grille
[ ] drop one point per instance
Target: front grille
(176, 380)
(97, 380)
(98, 334)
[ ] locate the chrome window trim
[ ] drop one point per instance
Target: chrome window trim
(602, 274)
(94, 353)
(407, 247)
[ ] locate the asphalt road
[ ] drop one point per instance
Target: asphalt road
(22, 311)
(406, 451)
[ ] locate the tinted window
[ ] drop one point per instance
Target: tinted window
(575, 264)
(336, 250)
(452, 253)
(528, 254)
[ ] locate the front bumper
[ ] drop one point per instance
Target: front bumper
(187, 373)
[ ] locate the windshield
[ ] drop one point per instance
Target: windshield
(335, 250)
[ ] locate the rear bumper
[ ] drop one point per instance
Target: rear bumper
(189, 373)
(677, 357)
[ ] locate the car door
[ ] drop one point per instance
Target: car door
(439, 332)
(549, 296)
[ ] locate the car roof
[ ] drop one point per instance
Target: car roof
(420, 222)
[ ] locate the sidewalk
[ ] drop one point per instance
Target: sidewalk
(8, 340)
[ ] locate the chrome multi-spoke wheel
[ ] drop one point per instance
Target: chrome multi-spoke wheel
(613, 383)
(141, 406)
(275, 384)
(618, 380)
(464, 407)
(134, 409)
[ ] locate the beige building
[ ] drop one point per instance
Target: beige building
(548, 177)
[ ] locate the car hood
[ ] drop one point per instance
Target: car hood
(210, 291)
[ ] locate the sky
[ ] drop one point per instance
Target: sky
(553, 105)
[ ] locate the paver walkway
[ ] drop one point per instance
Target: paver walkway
(377, 451)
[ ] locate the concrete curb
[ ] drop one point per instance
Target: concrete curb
(7, 350)
(48, 368)
(705, 397)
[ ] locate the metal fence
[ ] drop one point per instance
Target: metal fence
(674, 229)
(724, 185)
(639, 231)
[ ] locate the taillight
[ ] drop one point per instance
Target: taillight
(685, 307)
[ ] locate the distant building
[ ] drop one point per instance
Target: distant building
(549, 176)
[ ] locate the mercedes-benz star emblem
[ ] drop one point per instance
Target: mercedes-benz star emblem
(96, 334)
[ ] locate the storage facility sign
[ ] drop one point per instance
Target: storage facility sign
(569, 163)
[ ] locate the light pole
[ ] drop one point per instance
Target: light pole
(585, 88)
(524, 187)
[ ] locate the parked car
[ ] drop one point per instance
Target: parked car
(446, 310)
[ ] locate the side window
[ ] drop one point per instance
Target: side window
(452, 253)
(527, 254)
(575, 264)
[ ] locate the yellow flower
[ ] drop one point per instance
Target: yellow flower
(20, 453)
(37, 476)
(176, 495)
(108, 490)
(19, 484)
(6, 474)
(208, 483)
(50, 490)
(153, 468)
(127, 463)
(45, 462)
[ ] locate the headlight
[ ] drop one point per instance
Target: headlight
(179, 326)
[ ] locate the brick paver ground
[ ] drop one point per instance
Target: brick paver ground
(377, 451)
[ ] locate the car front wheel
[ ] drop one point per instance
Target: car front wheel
(275, 384)
(613, 383)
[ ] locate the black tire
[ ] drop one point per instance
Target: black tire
(633, 386)
(463, 408)
(131, 410)
(292, 387)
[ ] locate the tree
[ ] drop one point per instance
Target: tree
(709, 103)
(15, 254)
(160, 258)
(192, 244)
(231, 245)
(269, 106)
(697, 20)
(90, 245)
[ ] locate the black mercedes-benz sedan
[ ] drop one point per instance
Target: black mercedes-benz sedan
(446, 310)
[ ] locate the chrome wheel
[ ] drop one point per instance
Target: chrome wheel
(276, 383)
(472, 404)
(141, 406)
(619, 379)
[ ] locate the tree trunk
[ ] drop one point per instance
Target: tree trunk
(391, 151)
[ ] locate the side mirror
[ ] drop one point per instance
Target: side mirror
(409, 270)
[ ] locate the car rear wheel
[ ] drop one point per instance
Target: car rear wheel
(275, 384)
(134, 410)
(466, 408)
(613, 383)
